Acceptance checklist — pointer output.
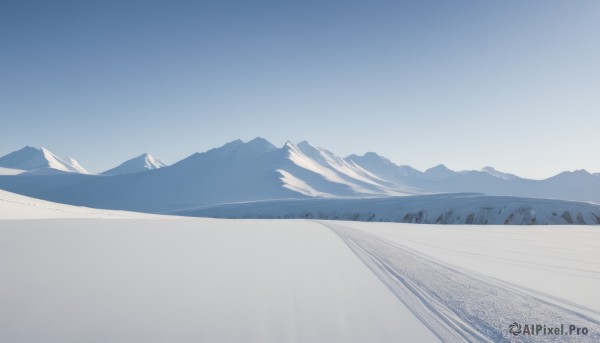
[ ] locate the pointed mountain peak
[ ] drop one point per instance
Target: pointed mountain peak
(151, 162)
(141, 163)
(291, 148)
(439, 167)
(308, 148)
(29, 149)
(371, 154)
(260, 144)
(34, 159)
(305, 143)
(289, 144)
(258, 140)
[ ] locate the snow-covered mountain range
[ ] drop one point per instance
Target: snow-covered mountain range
(258, 171)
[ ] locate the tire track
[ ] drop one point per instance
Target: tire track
(459, 306)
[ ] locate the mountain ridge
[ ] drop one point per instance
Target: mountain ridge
(258, 170)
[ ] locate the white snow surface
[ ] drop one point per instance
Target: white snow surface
(190, 280)
(471, 283)
(15, 206)
(215, 280)
(138, 164)
(558, 260)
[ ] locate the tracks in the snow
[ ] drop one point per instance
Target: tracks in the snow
(462, 306)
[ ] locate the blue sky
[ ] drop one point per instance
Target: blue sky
(512, 84)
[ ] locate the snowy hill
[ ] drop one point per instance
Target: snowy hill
(138, 164)
(40, 161)
(15, 206)
(425, 209)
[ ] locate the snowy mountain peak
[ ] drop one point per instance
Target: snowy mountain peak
(290, 148)
(151, 162)
(308, 148)
(499, 174)
(142, 163)
(39, 160)
(306, 144)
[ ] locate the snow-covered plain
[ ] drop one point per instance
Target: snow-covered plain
(169, 279)
(189, 280)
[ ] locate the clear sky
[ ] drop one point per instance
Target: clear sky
(512, 84)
